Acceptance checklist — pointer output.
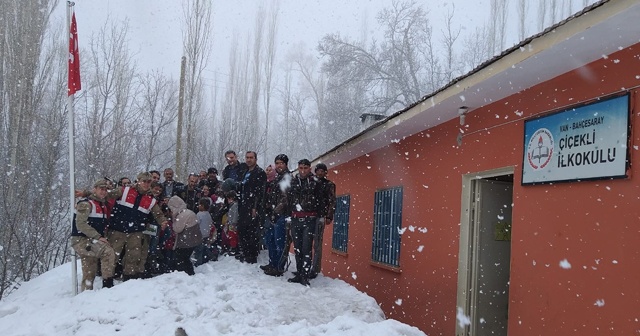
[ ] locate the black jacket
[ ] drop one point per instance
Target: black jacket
(305, 196)
(253, 184)
(234, 172)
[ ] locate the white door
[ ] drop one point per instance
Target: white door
(490, 257)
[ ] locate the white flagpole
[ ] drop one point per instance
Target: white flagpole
(71, 131)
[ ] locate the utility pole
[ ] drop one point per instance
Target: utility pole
(180, 113)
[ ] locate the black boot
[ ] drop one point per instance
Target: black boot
(107, 283)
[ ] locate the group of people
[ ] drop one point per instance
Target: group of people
(136, 230)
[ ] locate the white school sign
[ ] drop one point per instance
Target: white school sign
(586, 142)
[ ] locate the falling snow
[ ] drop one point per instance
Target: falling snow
(565, 264)
(599, 303)
(463, 320)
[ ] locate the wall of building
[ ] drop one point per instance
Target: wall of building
(595, 225)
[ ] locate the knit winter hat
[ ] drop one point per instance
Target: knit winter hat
(282, 157)
(321, 166)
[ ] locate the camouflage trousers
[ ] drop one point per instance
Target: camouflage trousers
(90, 251)
(132, 244)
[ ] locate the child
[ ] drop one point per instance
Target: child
(166, 240)
(188, 235)
(230, 224)
(206, 223)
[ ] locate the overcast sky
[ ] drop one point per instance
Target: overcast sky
(155, 32)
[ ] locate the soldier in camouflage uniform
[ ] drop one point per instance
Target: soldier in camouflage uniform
(88, 237)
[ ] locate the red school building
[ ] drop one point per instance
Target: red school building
(507, 202)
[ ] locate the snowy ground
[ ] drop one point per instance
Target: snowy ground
(223, 298)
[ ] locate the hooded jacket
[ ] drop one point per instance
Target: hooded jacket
(185, 224)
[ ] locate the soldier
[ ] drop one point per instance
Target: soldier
(133, 205)
(88, 237)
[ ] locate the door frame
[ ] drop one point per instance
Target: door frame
(464, 297)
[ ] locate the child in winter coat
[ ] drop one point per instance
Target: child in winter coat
(188, 235)
(230, 224)
(205, 221)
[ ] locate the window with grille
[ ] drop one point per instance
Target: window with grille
(341, 224)
(387, 220)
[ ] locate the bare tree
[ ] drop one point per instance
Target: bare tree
(107, 118)
(269, 62)
(542, 14)
(523, 11)
(497, 26)
(450, 36)
(399, 69)
(28, 78)
(158, 103)
(197, 16)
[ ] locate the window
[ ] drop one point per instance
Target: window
(387, 219)
(341, 224)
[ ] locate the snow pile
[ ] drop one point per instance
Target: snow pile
(223, 298)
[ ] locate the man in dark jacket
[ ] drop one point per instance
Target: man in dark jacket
(234, 169)
(325, 216)
(253, 185)
(305, 202)
(275, 211)
(170, 186)
(189, 193)
(211, 181)
(88, 237)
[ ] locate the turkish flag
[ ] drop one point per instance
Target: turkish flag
(74, 58)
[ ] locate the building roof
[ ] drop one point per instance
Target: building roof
(595, 32)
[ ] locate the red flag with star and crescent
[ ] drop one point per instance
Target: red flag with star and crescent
(74, 58)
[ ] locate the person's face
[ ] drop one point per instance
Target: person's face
(203, 174)
(280, 166)
(145, 185)
(205, 190)
(192, 181)
(168, 175)
(304, 170)
(156, 191)
(321, 173)
(231, 159)
(100, 192)
(213, 176)
(126, 182)
(250, 159)
(155, 177)
(269, 169)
